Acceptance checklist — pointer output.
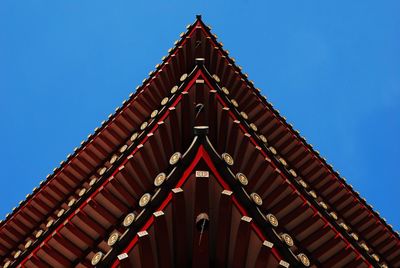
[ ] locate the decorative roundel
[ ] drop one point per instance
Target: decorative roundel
(175, 158)
(344, 226)
(7, 264)
(160, 179)
(93, 181)
(333, 215)
(304, 259)
(244, 115)
(97, 258)
(49, 223)
(283, 161)
(355, 237)
(225, 90)
(272, 149)
(263, 138)
(174, 89)
(71, 202)
(256, 199)
(183, 77)
(303, 183)
(242, 179)
(61, 212)
(82, 192)
(134, 136)
(228, 159)
(112, 239)
(164, 101)
(288, 239)
(38, 233)
(253, 127)
(323, 205)
(129, 219)
(216, 78)
(376, 257)
(154, 113)
(123, 148)
(28, 243)
(293, 173)
(144, 200)
(102, 171)
(273, 220)
(16, 255)
(234, 102)
(313, 194)
(364, 246)
(143, 126)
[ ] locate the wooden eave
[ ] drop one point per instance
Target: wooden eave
(302, 163)
(138, 154)
(95, 151)
(211, 195)
(231, 146)
(304, 160)
(252, 144)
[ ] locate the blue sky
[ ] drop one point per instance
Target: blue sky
(332, 68)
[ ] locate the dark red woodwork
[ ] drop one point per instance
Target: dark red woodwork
(211, 108)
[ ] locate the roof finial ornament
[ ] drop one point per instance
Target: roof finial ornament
(198, 16)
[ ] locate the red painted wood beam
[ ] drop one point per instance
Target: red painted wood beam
(162, 240)
(179, 222)
(145, 250)
(242, 243)
(223, 228)
(264, 255)
(79, 234)
(68, 245)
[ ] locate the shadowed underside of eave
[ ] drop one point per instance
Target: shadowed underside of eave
(171, 131)
(328, 204)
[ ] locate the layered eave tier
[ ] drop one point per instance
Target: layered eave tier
(197, 220)
(160, 104)
(92, 218)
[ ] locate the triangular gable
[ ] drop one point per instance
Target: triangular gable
(265, 124)
(226, 122)
(168, 232)
(324, 230)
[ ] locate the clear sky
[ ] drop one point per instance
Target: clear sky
(332, 68)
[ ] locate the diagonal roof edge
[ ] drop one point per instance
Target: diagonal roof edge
(297, 134)
(258, 142)
(140, 89)
(143, 137)
(91, 137)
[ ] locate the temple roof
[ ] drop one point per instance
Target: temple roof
(197, 84)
